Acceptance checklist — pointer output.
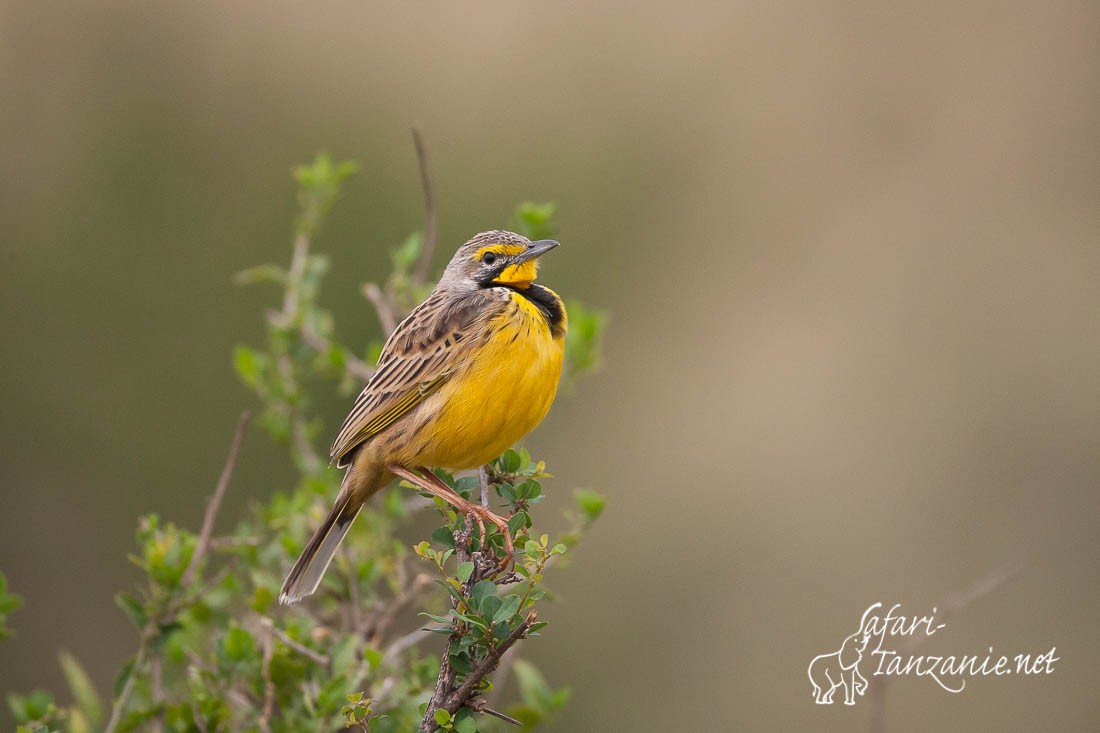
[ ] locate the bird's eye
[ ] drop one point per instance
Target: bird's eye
(489, 258)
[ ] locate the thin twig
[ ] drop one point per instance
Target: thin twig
(430, 230)
(294, 275)
(269, 685)
(479, 706)
(128, 688)
(198, 591)
(382, 306)
(420, 583)
(353, 364)
(197, 717)
(402, 643)
(215, 503)
(281, 635)
(354, 613)
(876, 694)
(452, 701)
(156, 683)
(489, 663)
(506, 661)
(483, 479)
(219, 543)
(300, 440)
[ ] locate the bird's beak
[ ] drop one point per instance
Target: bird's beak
(535, 249)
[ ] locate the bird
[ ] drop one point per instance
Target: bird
(462, 378)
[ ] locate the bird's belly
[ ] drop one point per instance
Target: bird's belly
(501, 395)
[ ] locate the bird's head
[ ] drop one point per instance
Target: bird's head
(493, 259)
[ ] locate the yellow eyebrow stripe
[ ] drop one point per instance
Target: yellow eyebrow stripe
(500, 249)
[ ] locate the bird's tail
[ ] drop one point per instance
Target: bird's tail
(306, 574)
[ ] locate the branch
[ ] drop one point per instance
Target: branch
(156, 683)
(354, 365)
(281, 635)
(490, 662)
(430, 231)
(215, 502)
(951, 605)
(383, 306)
(128, 688)
(378, 629)
(483, 479)
(452, 701)
(446, 695)
(294, 275)
(269, 685)
(353, 588)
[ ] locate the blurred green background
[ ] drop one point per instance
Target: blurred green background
(850, 252)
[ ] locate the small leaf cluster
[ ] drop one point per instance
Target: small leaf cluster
(8, 602)
(37, 712)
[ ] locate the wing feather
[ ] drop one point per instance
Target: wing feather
(418, 358)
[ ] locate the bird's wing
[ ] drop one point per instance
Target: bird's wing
(418, 358)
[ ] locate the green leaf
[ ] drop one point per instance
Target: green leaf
(238, 644)
(452, 590)
(405, 256)
(123, 676)
(507, 609)
(506, 491)
(482, 589)
(442, 717)
(444, 536)
(133, 609)
(372, 656)
(517, 522)
(584, 339)
(84, 693)
(590, 502)
(536, 221)
(465, 721)
(319, 185)
(250, 365)
(489, 606)
(33, 706)
(8, 603)
(475, 620)
(540, 701)
(383, 724)
(260, 274)
(465, 570)
(510, 461)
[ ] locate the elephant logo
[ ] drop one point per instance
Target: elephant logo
(828, 672)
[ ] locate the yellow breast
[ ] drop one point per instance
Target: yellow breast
(503, 392)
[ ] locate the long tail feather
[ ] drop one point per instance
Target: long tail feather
(306, 574)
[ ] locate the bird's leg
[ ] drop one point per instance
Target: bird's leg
(437, 487)
(481, 514)
(431, 483)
